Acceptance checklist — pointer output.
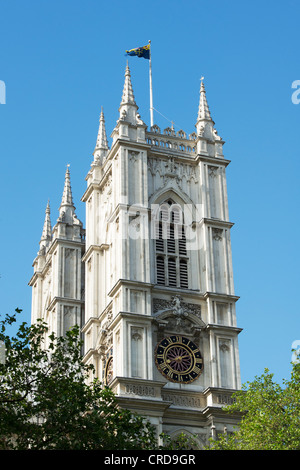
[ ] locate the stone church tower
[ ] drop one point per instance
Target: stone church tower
(150, 279)
(58, 279)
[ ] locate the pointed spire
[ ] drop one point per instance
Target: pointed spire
(68, 226)
(128, 96)
(101, 148)
(67, 199)
(67, 208)
(128, 107)
(47, 231)
(203, 111)
(102, 142)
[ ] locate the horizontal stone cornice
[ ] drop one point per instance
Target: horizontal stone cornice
(96, 184)
(213, 160)
(128, 282)
(89, 191)
(66, 243)
(131, 316)
(94, 248)
(221, 297)
(37, 275)
(217, 223)
(223, 328)
(89, 323)
(41, 274)
(64, 300)
(127, 143)
(140, 394)
(177, 291)
(90, 354)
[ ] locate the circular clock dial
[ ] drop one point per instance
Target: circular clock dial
(109, 371)
(178, 359)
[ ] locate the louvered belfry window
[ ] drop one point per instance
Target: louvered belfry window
(170, 247)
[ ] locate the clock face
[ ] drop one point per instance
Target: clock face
(178, 359)
(108, 367)
(109, 371)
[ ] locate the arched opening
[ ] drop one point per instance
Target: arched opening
(170, 246)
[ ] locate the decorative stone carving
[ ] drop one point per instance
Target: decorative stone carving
(225, 345)
(62, 216)
(106, 184)
(139, 119)
(155, 129)
(133, 156)
(201, 130)
(223, 399)
(216, 135)
(181, 134)
(123, 115)
(107, 321)
(137, 334)
(193, 136)
(176, 304)
(213, 171)
(176, 314)
(171, 169)
(169, 131)
(184, 400)
(141, 390)
(217, 234)
(105, 338)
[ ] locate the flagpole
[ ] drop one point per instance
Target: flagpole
(150, 85)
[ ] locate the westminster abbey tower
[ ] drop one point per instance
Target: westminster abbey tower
(149, 279)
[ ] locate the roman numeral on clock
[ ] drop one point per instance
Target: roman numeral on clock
(197, 370)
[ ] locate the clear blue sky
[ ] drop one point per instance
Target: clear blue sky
(62, 60)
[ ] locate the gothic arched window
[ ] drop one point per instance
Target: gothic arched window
(170, 247)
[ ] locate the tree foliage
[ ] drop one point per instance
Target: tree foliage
(46, 401)
(270, 415)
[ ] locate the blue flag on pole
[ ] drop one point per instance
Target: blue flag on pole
(140, 52)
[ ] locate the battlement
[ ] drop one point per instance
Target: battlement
(171, 140)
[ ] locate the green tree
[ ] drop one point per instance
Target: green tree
(270, 415)
(47, 403)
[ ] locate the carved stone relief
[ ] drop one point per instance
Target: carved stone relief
(105, 339)
(190, 401)
(137, 334)
(213, 171)
(170, 170)
(106, 185)
(176, 315)
(133, 156)
(176, 303)
(217, 234)
(225, 345)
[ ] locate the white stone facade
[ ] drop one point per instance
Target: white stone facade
(134, 277)
(58, 279)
